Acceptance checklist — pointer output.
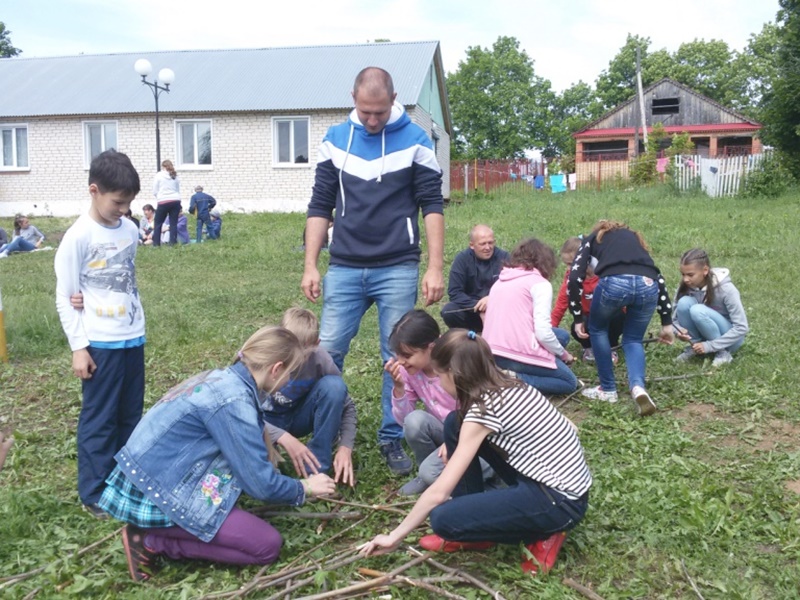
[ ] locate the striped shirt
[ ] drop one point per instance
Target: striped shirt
(540, 442)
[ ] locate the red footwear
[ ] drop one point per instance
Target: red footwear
(138, 555)
(544, 553)
(436, 544)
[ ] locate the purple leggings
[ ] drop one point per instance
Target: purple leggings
(243, 539)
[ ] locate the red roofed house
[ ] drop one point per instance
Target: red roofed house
(715, 130)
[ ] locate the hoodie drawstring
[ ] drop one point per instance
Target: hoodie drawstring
(344, 162)
(383, 153)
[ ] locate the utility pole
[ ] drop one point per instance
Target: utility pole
(641, 95)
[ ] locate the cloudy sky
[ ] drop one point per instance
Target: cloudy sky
(569, 40)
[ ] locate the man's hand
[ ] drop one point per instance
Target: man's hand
(82, 364)
(432, 286)
(480, 305)
(310, 283)
(301, 456)
(343, 466)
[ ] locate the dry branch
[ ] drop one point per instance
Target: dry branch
(465, 576)
(691, 582)
(306, 515)
(571, 583)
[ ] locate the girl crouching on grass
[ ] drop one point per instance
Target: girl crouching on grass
(709, 310)
(527, 442)
(180, 474)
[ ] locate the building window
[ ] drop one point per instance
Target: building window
(666, 106)
(290, 140)
(99, 136)
(194, 143)
(14, 145)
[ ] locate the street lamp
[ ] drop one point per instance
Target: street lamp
(167, 76)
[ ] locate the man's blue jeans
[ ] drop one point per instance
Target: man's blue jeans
(702, 322)
(202, 219)
(347, 294)
(525, 511)
(318, 414)
(639, 296)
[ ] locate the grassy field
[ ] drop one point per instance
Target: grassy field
(704, 493)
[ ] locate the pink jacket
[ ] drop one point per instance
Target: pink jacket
(517, 324)
(427, 389)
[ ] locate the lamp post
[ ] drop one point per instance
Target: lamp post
(167, 76)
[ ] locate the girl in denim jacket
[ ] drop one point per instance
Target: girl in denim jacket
(178, 478)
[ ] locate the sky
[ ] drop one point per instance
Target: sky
(568, 40)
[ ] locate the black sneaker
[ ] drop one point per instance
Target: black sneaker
(95, 511)
(397, 459)
(140, 558)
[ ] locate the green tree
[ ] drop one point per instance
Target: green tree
(574, 108)
(712, 69)
(6, 49)
(781, 109)
(499, 105)
(758, 61)
(618, 83)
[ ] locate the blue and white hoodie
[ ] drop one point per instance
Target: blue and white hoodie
(377, 183)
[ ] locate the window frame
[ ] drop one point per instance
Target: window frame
(15, 166)
(275, 145)
(87, 150)
(179, 164)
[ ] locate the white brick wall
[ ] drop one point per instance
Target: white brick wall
(242, 177)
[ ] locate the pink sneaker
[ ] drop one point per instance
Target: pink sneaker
(544, 554)
(434, 543)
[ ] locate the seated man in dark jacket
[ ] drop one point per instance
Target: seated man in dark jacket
(472, 274)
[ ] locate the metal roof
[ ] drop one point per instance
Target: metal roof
(243, 80)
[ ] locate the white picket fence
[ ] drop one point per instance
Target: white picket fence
(717, 177)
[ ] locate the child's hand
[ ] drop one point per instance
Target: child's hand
(301, 456)
(393, 368)
(82, 364)
(666, 336)
(76, 301)
(442, 454)
(681, 334)
(699, 348)
(580, 331)
(343, 466)
(480, 306)
(319, 485)
(380, 544)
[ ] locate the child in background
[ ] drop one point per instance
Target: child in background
(96, 258)
(201, 203)
(146, 224)
(411, 341)
(709, 310)
(527, 442)
(517, 323)
(183, 228)
(177, 480)
(314, 401)
(630, 280)
(26, 237)
(215, 226)
(568, 252)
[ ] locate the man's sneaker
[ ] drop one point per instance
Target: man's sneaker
(95, 511)
(643, 401)
(413, 488)
(597, 393)
(139, 556)
(397, 459)
(588, 355)
(723, 357)
(544, 554)
(686, 355)
(434, 543)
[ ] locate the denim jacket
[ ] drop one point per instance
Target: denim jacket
(200, 446)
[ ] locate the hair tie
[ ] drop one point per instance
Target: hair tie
(240, 355)
(472, 335)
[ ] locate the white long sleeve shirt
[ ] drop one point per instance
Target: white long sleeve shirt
(99, 262)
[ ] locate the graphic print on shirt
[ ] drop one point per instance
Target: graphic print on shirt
(110, 268)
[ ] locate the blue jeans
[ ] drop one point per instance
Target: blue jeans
(347, 294)
(558, 381)
(112, 406)
(702, 322)
(639, 296)
(18, 245)
(318, 414)
(202, 218)
(169, 209)
(525, 511)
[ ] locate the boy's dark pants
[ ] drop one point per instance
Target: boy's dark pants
(112, 406)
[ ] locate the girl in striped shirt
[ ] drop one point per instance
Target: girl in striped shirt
(528, 443)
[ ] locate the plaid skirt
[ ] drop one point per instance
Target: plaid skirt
(125, 502)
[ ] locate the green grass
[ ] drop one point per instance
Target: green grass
(697, 493)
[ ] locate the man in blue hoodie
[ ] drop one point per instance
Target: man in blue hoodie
(377, 170)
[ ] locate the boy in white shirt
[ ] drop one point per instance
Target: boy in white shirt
(96, 259)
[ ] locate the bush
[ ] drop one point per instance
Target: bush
(769, 179)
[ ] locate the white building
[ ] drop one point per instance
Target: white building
(244, 124)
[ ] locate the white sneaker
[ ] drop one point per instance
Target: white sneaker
(723, 357)
(643, 401)
(686, 355)
(3, 254)
(597, 393)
